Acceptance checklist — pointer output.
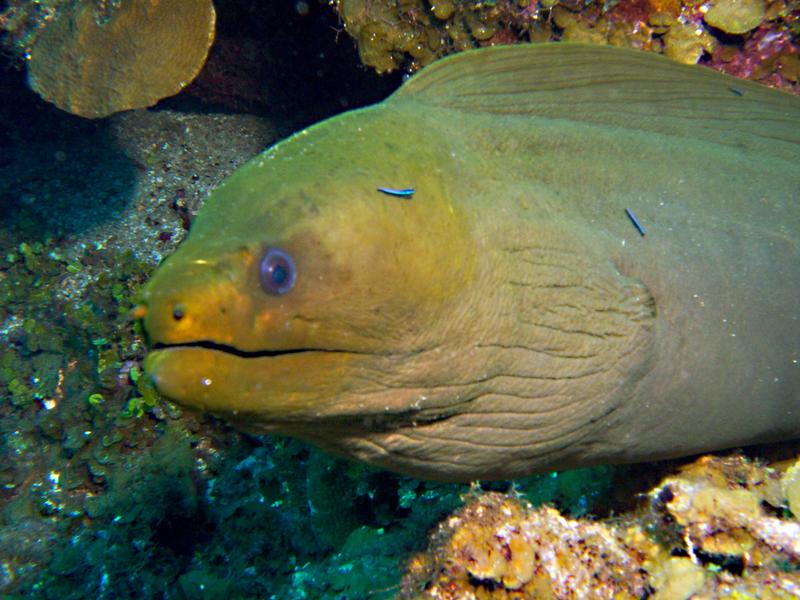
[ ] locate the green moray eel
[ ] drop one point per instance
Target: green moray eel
(507, 318)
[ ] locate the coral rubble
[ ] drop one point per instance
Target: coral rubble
(97, 58)
(718, 528)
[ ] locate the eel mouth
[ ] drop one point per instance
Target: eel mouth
(234, 351)
(274, 384)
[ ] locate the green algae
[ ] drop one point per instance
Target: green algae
(47, 327)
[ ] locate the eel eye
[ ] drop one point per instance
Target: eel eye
(277, 272)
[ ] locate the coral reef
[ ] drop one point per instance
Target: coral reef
(95, 58)
(755, 39)
(162, 47)
(107, 492)
(717, 528)
(498, 546)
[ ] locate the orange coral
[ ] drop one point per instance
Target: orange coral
(96, 59)
(707, 532)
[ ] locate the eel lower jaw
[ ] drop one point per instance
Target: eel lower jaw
(271, 385)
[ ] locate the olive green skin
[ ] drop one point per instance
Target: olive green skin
(508, 318)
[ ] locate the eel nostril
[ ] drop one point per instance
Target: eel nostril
(178, 311)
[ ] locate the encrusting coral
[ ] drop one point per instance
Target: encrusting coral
(754, 39)
(718, 528)
(95, 59)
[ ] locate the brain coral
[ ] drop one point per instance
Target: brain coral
(98, 58)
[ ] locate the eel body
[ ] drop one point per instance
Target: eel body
(504, 316)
